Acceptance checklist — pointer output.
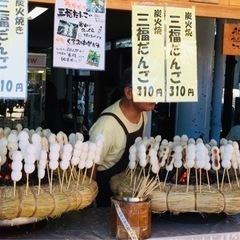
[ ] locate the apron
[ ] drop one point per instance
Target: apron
(103, 177)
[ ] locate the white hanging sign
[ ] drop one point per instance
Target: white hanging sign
(13, 49)
(79, 34)
(164, 54)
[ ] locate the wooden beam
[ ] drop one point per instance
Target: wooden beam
(224, 9)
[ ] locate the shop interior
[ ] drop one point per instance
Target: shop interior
(82, 94)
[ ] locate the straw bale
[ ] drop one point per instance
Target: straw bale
(159, 200)
(118, 179)
(181, 200)
(231, 198)
(209, 201)
(46, 203)
(9, 204)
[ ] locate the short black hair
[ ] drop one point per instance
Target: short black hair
(126, 79)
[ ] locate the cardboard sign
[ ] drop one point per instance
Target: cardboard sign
(231, 39)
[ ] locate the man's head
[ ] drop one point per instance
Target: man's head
(126, 79)
(126, 89)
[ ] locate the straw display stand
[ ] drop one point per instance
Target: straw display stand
(159, 200)
(177, 199)
(45, 204)
(209, 201)
(231, 198)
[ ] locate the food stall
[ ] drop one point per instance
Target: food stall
(94, 223)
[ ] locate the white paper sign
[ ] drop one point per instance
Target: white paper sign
(181, 55)
(79, 34)
(164, 54)
(148, 53)
(13, 49)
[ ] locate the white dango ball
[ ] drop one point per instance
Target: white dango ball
(158, 138)
(190, 156)
(83, 156)
(3, 159)
(41, 173)
(17, 165)
(141, 148)
(96, 159)
(89, 163)
(30, 159)
(76, 152)
(79, 136)
(64, 165)
(184, 138)
(190, 163)
(226, 164)
(178, 156)
(60, 136)
(207, 166)
(52, 138)
(23, 136)
(85, 147)
(200, 163)
(6, 131)
(55, 147)
(36, 138)
(155, 168)
(133, 149)
(30, 149)
(164, 142)
(132, 157)
(66, 156)
(137, 139)
(53, 165)
(142, 155)
(17, 156)
(23, 144)
(43, 155)
(234, 164)
(191, 141)
(29, 168)
(54, 156)
(227, 156)
(169, 167)
(42, 164)
(143, 162)
(177, 138)
(16, 175)
(91, 155)
(213, 142)
(92, 147)
(132, 164)
(177, 163)
(12, 137)
(78, 145)
(3, 141)
(228, 148)
(75, 160)
(81, 164)
(12, 146)
(153, 159)
(67, 148)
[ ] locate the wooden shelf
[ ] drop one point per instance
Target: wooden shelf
(228, 9)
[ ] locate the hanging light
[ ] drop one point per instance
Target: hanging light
(36, 12)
